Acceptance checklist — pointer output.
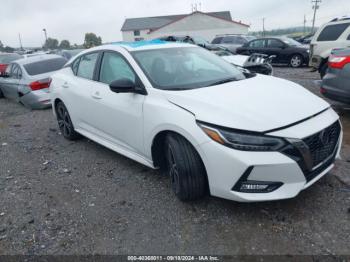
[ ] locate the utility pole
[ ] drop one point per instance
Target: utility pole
(263, 20)
(20, 42)
(315, 7)
(304, 29)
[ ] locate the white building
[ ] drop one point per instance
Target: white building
(206, 25)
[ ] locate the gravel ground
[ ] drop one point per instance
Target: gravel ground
(62, 197)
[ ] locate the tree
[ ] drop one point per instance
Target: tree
(1, 46)
(64, 44)
(92, 40)
(8, 49)
(51, 43)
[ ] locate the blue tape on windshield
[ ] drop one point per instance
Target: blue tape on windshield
(140, 43)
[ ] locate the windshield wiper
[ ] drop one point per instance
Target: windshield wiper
(223, 81)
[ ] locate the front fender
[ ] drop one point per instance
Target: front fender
(169, 117)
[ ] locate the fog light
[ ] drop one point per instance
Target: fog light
(250, 186)
(247, 186)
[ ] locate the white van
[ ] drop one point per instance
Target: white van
(335, 34)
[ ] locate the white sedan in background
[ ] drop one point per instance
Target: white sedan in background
(211, 127)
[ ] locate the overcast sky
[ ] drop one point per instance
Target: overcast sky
(71, 19)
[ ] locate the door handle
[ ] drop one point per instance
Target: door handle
(65, 85)
(96, 95)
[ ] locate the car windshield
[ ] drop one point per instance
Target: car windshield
(199, 40)
(8, 58)
(45, 66)
(183, 68)
(291, 42)
(250, 37)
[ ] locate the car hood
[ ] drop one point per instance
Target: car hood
(259, 103)
(236, 59)
(302, 48)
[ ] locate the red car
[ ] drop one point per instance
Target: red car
(5, 59)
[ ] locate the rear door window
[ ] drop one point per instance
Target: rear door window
(45, 66)
(216, 40)
(332, 32)
(16, 72)
(87, 66)
(274, 43)
(229, 40)
(240, 40)
(257, 43)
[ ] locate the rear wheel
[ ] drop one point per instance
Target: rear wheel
(185, 168)
(65, 123)
(323, 70)
(296, 61)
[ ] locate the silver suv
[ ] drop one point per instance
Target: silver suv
(232, 42)
(335, 34)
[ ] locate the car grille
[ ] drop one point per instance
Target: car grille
(322, 144)
(322, 147)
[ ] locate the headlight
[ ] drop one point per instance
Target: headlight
(241, 140)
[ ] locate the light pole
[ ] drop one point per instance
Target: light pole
(315, 7)
(45, 36)
(263, 33)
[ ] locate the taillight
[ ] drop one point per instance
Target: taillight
(40, 84)
(3, 68)
(338, 62)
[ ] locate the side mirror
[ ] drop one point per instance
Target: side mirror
(123, 85)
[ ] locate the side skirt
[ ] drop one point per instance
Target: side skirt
(121, 150)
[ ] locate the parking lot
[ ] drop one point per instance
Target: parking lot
(62, 197)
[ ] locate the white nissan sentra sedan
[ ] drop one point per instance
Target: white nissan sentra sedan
(212, 128)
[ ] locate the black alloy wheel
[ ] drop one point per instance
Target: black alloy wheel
(65, 123)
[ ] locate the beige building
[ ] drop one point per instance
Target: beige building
(206, 25)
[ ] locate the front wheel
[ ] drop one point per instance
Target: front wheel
(296, 61)
(65, 123)
(185, 168)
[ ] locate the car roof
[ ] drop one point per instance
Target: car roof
(36, 58)
(140, 45)
(341, 19)
(272, 37)
(3, 54)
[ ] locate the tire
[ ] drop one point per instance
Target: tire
(296, 61)
(185, 168)
(65, 123)
(1, 94)
(323, 70)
